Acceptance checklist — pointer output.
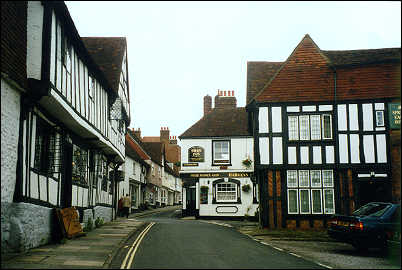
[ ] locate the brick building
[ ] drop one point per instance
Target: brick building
(325, 140)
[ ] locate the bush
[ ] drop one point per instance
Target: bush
(98, 222)
(89, 226)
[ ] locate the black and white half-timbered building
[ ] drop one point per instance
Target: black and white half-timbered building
(217, 162)
(321, 123)
(72, 127)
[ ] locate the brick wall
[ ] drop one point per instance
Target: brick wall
(14, 40)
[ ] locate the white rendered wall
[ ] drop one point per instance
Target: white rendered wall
(34, 39)
(10, 120)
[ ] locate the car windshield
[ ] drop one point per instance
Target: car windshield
(372, 209)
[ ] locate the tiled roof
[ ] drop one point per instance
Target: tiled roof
(154, 149)
(151, 139)
(134, 150)
(363, 57)
(220, 123)
(258, 75)
(261, 75)
(108, 53)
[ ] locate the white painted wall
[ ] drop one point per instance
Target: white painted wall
(241, 148)
(10, 121)
(34, 39)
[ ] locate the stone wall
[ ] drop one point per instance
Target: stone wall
(25, 226)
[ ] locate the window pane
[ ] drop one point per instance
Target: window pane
(221, 151)
(327, 178)
(315, 127)
(292, 201)
(326, 126)
(329, 207)
(226, 192)
(380, 118)
(304, 201)
(292, 178)
(316, 178)
(316, 198)
(293, 128)
(304, 127)
(304, 178)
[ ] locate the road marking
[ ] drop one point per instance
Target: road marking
(295, 255)
(134, 246)
(323, 265)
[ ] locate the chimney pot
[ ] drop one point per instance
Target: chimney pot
(224, 93)
(232, 92)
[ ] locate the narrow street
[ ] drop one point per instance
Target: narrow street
(172, 242)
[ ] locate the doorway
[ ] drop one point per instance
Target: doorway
(374, 190)
(190, 201)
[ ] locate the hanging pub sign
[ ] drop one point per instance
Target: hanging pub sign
(394, 110)
(196, 154)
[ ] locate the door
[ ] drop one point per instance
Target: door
(66, 182)
(190, 201)
(373, 191)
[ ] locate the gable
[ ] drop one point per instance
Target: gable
(306, 75)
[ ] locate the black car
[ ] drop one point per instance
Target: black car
(370, 226)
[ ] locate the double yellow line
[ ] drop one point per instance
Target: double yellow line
(133, 248)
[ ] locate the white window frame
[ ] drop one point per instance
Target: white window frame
(304, 129)
(312, 201)
(297, 201)
(293, 127)
(333, 200)
(317, 134)
(323, 126)
(219, 192)
(301, 178)
(308, 200)
(292, 173)
(332, 178)
(222, 159)
(311, 178)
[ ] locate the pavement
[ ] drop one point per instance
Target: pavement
(94, 250)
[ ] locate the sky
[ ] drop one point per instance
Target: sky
(178, 52)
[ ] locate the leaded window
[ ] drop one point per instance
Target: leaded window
(80, 165)
(44, 147)
(304, 127)
(314, 193)
(293, 126)
(326, 126)
(379, 117)
(315, 127)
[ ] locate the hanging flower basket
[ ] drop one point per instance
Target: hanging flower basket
(247, 162)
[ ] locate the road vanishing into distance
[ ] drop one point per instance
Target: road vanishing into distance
(169, 242)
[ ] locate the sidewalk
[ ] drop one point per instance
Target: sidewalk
(95, 250)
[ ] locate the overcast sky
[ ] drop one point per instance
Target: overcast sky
(178, 52)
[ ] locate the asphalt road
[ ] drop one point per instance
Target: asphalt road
(173, 243)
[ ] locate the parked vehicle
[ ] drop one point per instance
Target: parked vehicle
(370, 226)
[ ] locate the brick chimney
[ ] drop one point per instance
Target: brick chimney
(172, 140)
(207, 104)
(225, 99)
(164, 135)
(137, 133)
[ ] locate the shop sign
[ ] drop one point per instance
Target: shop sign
(196, 154)
(192, 164)
(394, 110)
(216, 175)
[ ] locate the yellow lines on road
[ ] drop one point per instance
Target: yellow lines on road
(133, 248)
